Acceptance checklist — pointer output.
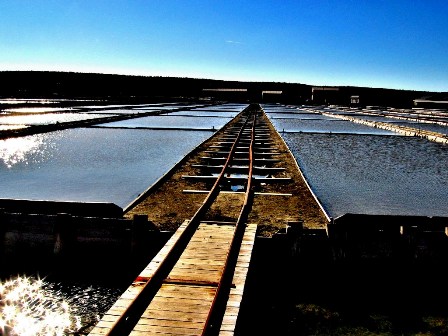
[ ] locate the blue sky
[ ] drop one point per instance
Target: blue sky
(375, 43)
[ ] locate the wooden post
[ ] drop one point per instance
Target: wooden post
(294, 233)
(410, 235)
(139, 228)
(2, 233)
(64, 236)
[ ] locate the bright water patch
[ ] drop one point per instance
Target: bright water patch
(425, 126)
(100, 107)
(326, 126)
(14, 101)
(168, 121)
(113, 111)
(11, 127)
(90, 164)
(222, 108)
(204, 113)
(388, 175)
(36, 307)
(167, 106)
(378, 118)
(37, 109)
(307, 116)
(47, 118)
(164, 107)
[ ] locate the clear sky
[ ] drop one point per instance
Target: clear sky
(401, 44)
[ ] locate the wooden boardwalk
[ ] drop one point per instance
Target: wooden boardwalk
(182, 304)
(196, 283)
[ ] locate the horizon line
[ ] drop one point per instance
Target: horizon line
(212, 79)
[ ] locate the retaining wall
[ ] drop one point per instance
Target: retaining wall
(36, 241)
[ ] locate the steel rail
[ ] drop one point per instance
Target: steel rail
(217, 310)
(124, 324)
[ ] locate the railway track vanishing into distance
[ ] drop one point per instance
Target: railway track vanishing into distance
(195, 283)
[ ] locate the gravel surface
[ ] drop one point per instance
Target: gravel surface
(167, 205)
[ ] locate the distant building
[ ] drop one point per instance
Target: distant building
(325, 95)
(271, 96)
(232, 94)
(427, 103)
(354, 100)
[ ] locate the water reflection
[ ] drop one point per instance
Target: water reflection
(168, 121)
(30, 306)
(11, 127)
(388, 175)
(330, 125)
(90, 165)
(37, 109)
(49, 118)
(20, 150)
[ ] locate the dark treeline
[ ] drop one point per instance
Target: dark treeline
(71, 85)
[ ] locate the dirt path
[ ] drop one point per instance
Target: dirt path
(167, 205)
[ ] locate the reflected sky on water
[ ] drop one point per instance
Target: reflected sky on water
(11, 127)
(90, 165)
(389, 175)
(32, 306)
(442, 129)
(427, 126)
(37, 109)
(47, 118)
(325, 126)
(171, 121)
(355, 168)
(204, 113)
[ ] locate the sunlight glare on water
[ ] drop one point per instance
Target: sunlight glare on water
(16, 150)
(27, 307)
(37, 109)
(11, 127)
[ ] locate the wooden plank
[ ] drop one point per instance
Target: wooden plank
(174, 308)
(196, 317)
(165, 331)
(190, 308)
(198, 261)
(229, 321)
(203, 260)
(186, 291)
(179, 309)
(168, 301)
(201, 277)
(226, 333)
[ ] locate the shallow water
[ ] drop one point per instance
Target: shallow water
(105, 112)
(49, 118)
(168, 121)
(295, 115)
(37, 109)
(90, 165)
(205, 113)
(223, 107)
(395, 117)
(374, 174)
(425, 126)
(31, 306)
(331, 125)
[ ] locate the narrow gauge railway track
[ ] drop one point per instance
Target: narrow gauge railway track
(186, 289)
